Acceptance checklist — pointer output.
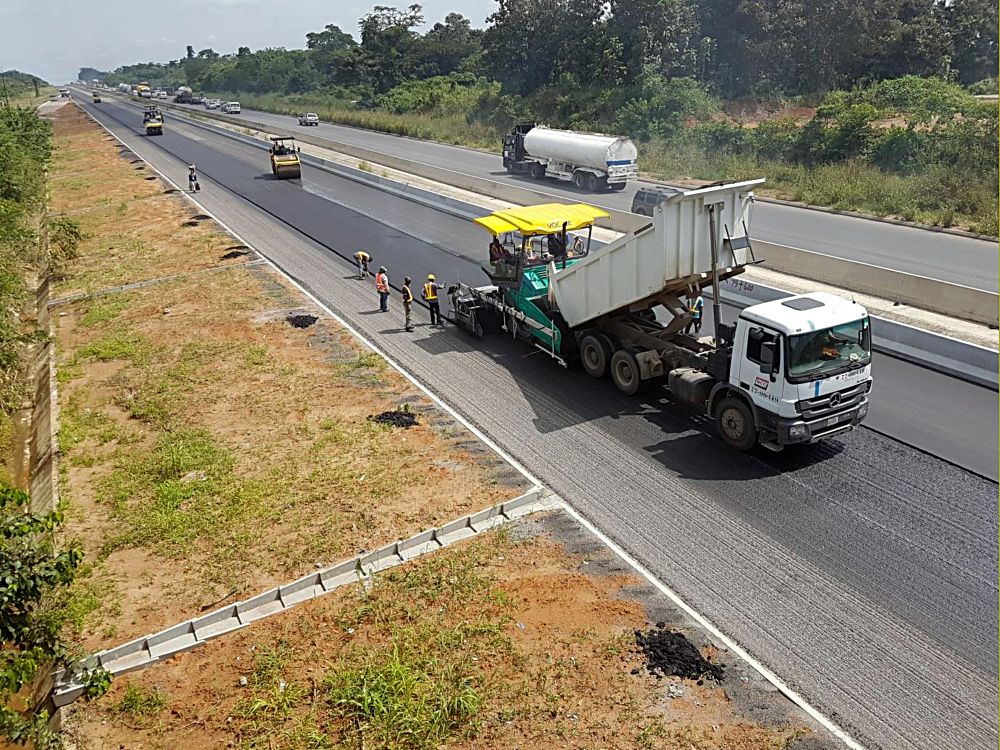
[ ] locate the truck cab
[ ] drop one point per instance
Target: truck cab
(802, 364)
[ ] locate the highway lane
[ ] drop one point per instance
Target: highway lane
(940, 255)
(944, 416)
(862, 570)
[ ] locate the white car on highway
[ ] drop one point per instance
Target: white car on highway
(309, 118)
(213, 103)
(231, 108)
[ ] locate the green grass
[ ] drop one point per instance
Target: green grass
(400, 698)
(181, 491)
(140, 702)
(119, 344)
(410, 679)
(104, 309)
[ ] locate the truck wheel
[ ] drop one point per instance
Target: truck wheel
(578, 180)
(734, 421)
(537, 171)
(617, 185)
(591, 183)
(625, 373)
(478, 330)
(594, 356)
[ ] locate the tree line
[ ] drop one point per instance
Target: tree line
(733, 47)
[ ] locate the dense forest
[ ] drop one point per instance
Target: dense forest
(887, 86)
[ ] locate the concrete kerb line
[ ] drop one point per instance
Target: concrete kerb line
(70, 298)
(554, 500)
(150, 649)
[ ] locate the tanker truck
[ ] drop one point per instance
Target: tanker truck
(183, 95)
(791, 371)
(592, 161)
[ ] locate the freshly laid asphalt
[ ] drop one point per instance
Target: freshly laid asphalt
(940, 255)
(862, 570)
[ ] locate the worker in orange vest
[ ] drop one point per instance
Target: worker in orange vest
(382, 287)
(430, 295)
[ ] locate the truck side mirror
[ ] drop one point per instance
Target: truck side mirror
(767, 357)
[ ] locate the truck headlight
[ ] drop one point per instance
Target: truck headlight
(863, 411)
(798, 432)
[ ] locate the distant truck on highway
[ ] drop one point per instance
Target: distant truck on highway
(591, 161)
(791, 371)
(183, 95)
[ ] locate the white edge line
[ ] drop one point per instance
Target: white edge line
(704, 622)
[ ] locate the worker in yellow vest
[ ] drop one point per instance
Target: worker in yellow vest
(382, 287)
(430, 295)
(362, 259)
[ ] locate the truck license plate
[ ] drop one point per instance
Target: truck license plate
(834, 420)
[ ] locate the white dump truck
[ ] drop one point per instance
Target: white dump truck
(592, 161)
(794, 370)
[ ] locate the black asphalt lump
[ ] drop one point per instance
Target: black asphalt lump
(301, 321)
(395, 418)
(669, 653)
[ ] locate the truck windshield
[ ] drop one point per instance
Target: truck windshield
(818, 354)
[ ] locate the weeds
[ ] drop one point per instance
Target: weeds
(140, 702)
(104, 309)
(401, 699)
(120, 344)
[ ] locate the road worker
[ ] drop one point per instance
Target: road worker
(382, 287)
(363, 259)
(430, 295)
(696, 306)
(407, 302)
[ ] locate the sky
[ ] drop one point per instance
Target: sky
(53, 39)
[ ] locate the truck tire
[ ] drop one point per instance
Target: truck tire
(591, 183)
(537, 171)
(625, 373)
(618, 185)
(734, 422)
(579, 179)
(594, 356)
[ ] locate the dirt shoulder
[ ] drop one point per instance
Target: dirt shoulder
(212, 449)
(216, 440)
(506, 641)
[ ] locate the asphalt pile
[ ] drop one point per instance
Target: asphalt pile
(669, 653)
(396, 418)
(301, 321)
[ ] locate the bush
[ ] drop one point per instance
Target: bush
(984, 87)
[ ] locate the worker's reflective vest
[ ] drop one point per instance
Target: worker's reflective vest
(407, 294)
(430, 291)
(697, 306)
(381, 282)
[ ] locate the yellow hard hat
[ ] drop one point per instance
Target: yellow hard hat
(430, 277)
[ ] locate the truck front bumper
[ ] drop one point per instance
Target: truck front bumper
(799, 431)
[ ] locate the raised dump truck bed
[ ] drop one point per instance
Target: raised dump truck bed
(791, 371)
(669, 256)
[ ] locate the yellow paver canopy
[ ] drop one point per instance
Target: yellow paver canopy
(546, 218)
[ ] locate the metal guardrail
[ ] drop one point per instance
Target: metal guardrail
(149, 649)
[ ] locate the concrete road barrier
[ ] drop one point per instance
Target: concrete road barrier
(925, 293)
